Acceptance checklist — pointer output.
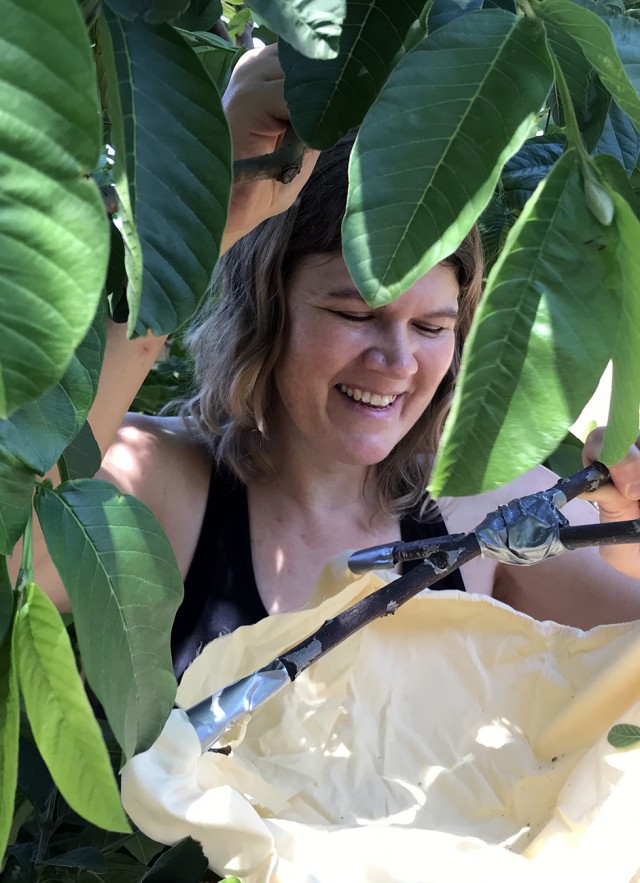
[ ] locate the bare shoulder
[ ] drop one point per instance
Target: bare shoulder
(159, 461)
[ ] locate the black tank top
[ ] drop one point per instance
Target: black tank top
(220, 588)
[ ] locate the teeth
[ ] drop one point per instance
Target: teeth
(369, 398)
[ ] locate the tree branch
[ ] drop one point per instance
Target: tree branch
(282, 165)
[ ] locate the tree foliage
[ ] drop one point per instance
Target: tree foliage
(523, 116)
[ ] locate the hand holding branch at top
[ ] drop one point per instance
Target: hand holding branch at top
(618, 500)
(258, 118)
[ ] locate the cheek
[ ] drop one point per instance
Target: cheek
(436, 360)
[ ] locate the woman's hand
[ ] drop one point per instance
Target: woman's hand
(258, 117)
(618, 500)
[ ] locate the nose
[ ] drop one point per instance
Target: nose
(392, 355)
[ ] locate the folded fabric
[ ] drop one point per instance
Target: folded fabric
(456, 740)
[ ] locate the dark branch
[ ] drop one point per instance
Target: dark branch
(282, 165)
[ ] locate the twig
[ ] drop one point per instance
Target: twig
(282, 165)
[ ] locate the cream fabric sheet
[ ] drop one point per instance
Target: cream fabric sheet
(456, 740)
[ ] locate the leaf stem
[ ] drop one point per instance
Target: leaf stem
(25, 575)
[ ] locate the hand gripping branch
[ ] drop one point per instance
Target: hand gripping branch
(524, 532)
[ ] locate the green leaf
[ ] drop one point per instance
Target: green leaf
(118, 569)
(83, 857)
(624, 736)
(624, 409)
(543, 334)
(61, 719)
(82, 457)
(38, 433)
(619, 139)
(328, 98)
(172, 141)
(444, 11)
(464, 98)
(216, 55)
(34, 779)
(311, 26)
(185, 862)
(53, 227)
(530, 165)
(6, 599)
(143, 848)
(9, 735)
(200, 15)
(16, 491)
(151, 11)
(567, 457)
(596, 41)
(589, 97)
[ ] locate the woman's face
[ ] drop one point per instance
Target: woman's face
(352, 381)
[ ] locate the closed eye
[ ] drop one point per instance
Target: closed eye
(352, 317)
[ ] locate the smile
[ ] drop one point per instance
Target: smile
(367, 398)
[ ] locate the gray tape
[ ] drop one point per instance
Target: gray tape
(213, 717)
(524, 531)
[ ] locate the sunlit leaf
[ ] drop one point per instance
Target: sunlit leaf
(9, 735)
(624, 736)
(595, 39)
(54, 235)
(464, 98)
(624, 410)
(169, 128)
(310, 26)
(119, 570)
(545, 330)
(61, 719)
(328, 98)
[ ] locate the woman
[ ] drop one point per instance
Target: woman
(316, 416)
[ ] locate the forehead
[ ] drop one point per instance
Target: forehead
(325, 276)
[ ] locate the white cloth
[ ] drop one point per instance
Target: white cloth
(456, 740)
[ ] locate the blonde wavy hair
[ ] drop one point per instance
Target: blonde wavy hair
(237, 340)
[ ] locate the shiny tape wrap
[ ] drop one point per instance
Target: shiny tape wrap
(524, 531)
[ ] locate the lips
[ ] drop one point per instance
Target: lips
(367, 397)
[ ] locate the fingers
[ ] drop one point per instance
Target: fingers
(618, 500)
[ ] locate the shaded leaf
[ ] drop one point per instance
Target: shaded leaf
(544, 332)
(151, 11)
(464, 98)
(199, 16)
(596, 41)
(624, 409)
(6, 599)
(54, 234)
(494, 224)
(528, 167)
(624, 735)
(567, 457)
(217, 55)
(444, 11)
(311, 26)
(620, 139)
(63, 725)
(119, 569)
(328, 98)
(82, 457)
(143, 848)
(34, 779)
(177, 151)
(84, 857)
(9, 734)
(16, 491)
(38, 433)
(184, 861)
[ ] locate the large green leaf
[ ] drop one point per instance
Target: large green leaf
(184, 861)
(217, 56)
(6, 599)
(54, 235)
(620, 139)
(38, 433)
(524, 171)
(119, 570)
(596, 41)
(82, 457)
(310, 26)
(169, 128)
(544, 332)
(590, 99)
(200, 16)
(151, 11)
(63, 725)
(624, 420)
(444, 11)
(464, 99)
(9, 736)
(626, 39)
(327, 98)
(16, 490)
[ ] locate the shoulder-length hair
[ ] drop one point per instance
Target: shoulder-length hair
(238, 338)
